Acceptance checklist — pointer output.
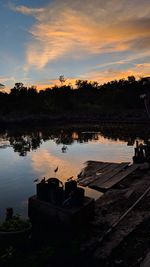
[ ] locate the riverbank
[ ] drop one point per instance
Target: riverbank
(128, 243)
(129, 116)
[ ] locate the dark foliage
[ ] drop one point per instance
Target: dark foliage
(88, 99)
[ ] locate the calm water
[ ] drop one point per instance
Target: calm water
(27, 155)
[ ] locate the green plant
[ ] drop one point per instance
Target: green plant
(7, 253)
(15, 224)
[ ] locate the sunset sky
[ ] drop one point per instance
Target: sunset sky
(97, 40)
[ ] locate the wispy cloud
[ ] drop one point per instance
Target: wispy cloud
(6, 79)
(26, 10)
(95, 27)
(110, 74)
(3, 79)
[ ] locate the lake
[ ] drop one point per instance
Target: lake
(26, 155)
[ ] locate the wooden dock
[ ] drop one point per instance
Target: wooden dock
(104, 175)
(111, 236)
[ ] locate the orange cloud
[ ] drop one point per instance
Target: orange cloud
(6, 81)
(102, 76)
(44, 163)
(52, 82)
(66, 27)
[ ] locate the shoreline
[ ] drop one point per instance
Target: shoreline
(45, 120)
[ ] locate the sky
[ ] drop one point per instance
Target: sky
(98, 40)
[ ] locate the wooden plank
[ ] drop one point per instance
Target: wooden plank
(90, 169)
(114, 170)
(118, 177)
(93, 167)
(102, 177)
(92, 177)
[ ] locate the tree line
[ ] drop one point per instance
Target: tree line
(86, 99)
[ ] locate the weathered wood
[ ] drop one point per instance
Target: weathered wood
(97, 175)
(108, 168)
(93, 175)
(118, 177)
(112, 171)
(91, 168)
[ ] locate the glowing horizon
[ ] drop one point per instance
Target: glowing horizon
(102, 41)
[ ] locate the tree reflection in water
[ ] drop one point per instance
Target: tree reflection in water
(24, 141)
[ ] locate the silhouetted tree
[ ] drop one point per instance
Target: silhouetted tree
(88, 99)
(62, 79)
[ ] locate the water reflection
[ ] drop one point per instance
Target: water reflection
(25, 141)
(26, 155)
(64, 149)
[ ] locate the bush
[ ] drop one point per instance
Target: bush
(15, 224)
